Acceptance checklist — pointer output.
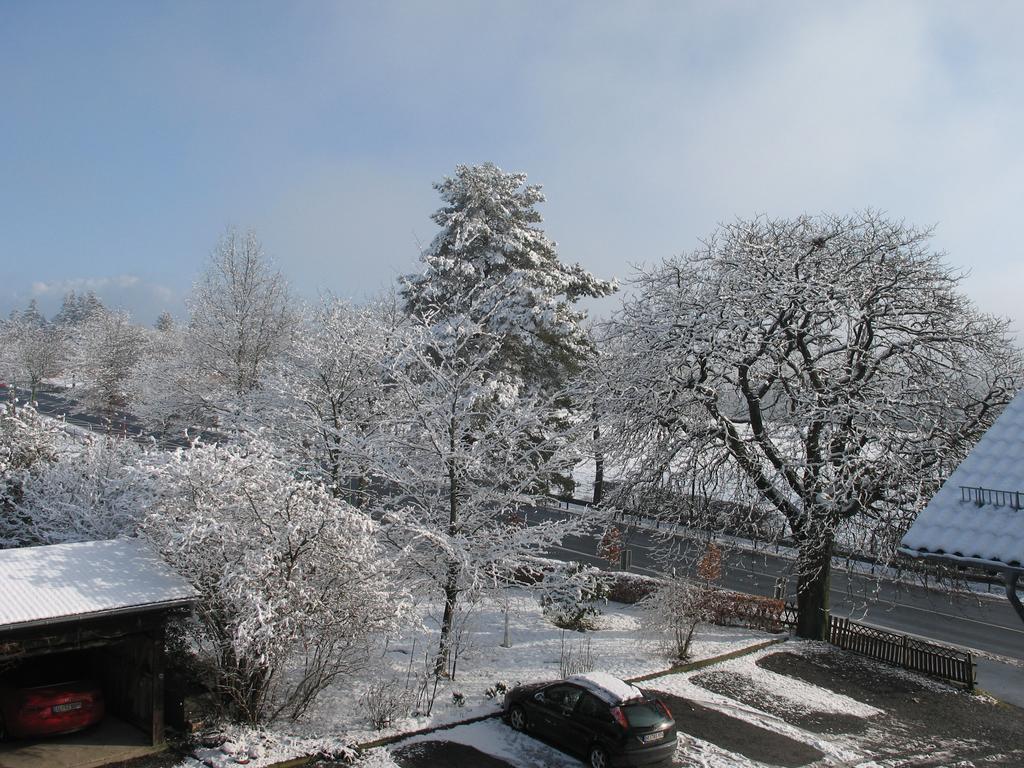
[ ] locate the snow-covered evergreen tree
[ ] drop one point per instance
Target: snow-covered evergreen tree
(492, 263)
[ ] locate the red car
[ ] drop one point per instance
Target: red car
(49, 710)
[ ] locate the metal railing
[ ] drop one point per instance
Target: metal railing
(996, 498)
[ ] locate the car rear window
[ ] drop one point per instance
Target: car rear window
(644, 714)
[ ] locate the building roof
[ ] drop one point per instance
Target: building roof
(977, 517)
(606, 687)
(42, 585)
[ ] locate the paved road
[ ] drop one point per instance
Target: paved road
(982, 624)
(58, 406)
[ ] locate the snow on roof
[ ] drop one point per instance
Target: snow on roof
(606, 687)
(61, 581)
(978, 515)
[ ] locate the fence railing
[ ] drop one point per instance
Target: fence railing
(902, 650)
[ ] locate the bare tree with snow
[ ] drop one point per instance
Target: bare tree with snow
(326, 398)
(241, 315)
(31, 350)
(825, 369)
(465, 448)
(28, 444)
(106, 348)
(92, 487)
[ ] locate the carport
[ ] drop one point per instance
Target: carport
(98, 610)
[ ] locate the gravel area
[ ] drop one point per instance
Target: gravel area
(925, 722)
(744, 689)
(738, 736)
(430, 754)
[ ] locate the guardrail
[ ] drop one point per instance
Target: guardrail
(991, 496)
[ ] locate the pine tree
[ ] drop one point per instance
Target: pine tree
(491, 259)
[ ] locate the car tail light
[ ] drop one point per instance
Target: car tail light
(620, 718)
(665, 709)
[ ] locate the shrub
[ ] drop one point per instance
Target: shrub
(384, 702)
(740, 610)
(575, 659)
(675, 609)
(629, 588)
(570, 596)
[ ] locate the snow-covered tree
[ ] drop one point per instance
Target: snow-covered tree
(326, 398)
(295, 587)
(164, 323)
(28, 442)
(161, 389)
(825, 369)
(76, 309)
(490, 236)
(105, 350)
(241, 316)
(464, 449)
(31, 350)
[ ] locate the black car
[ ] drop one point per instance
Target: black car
(612, 722)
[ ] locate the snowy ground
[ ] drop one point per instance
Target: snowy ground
(794, 704)
(618, 645)
(798, 704)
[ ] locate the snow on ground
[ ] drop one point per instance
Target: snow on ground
(797, 694)
(619, 646)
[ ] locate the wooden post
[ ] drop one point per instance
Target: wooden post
(156, 639)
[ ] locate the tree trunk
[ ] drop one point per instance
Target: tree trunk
(598, 462)
(451, 594)
(813, 582)
(1011, 578)
(451, 582)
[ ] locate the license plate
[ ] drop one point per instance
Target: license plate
(647, 738)
(70, 706)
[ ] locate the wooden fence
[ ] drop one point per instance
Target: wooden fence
(902, 650)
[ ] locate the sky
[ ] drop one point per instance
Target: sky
(133, 134)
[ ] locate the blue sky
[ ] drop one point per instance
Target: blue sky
(132, 134)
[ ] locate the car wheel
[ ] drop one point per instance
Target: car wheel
(517, 718)
(597, 757)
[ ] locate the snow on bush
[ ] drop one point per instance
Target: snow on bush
(93, 490)
(27, 444)
(294, 585)
(570, 596)
(674, 610)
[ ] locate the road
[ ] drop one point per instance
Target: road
(57, 406)
(986, 625)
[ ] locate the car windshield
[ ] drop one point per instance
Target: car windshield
(644, 714)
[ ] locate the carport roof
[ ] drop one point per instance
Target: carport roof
(43, 585)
